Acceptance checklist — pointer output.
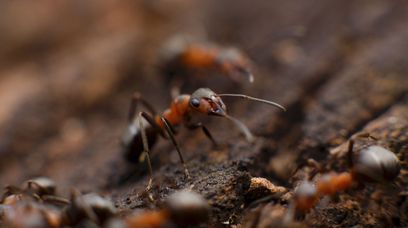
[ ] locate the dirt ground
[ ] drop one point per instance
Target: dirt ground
(68, 70)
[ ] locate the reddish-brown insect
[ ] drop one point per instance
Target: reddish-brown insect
(29, 214)
(372, 164)
(39, 189)
(139, 137)
(33, 205)
(89, 208)
(181, 57)
(181, 209)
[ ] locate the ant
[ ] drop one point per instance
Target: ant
(88, 208)
(33, 205)
(181, 57)
(29, 214)
(181, 209)
(138, 139)
(40, 189)
(373, 164)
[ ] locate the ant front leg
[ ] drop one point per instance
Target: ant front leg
(170, 133)
(207, 133)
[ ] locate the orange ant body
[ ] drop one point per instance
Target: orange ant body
(373, 164)
(138, 138)
(181, 209)
(183, 57)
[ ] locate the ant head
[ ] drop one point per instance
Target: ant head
(234, 63)
(376, 163)
(207, 102)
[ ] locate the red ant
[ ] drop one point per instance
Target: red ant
(181, 209)
(138, 138)
(181, 57)
(373, 164)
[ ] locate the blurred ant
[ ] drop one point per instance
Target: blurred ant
(181, 57)
(138, 139)
(40, 188)
(89, 209)
(373, 164)
(29, 214)
(33, 205)
(181, 209)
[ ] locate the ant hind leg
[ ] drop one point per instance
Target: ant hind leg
(146, 149)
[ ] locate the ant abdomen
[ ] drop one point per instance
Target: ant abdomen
(376, 164)
(305, 195)
(187, 208)
(132, 144)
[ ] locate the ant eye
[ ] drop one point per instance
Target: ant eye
(195, 102)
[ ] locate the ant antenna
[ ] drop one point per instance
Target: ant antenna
(244, 129)
(253, 99)
(250, 76)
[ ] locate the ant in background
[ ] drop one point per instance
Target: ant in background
(33, 205)
(41, 189)
(139, 137)
(37, 205)
(86, 210)
(372, 164)
(181, 58)
(181, 209)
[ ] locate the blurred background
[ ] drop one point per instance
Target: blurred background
(69, 68)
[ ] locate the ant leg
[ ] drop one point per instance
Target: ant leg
(153, 123)
(351, 145)
(316, 168)
(78, 201)
(364, 135)
(136, 98)
(171, 135)
(205, 130)
(146, 148)
(350, 153)
(54, 199)
(10, 190)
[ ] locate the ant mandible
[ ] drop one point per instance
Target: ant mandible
(138, 139)
(373, 164)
